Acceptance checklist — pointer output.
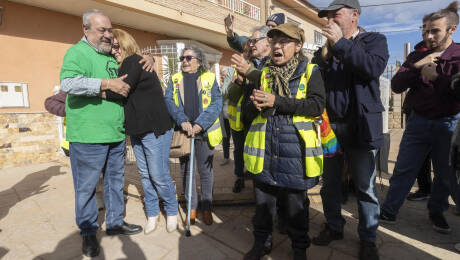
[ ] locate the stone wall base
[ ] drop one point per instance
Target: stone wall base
(27, 138)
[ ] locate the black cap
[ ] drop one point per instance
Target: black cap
(337, 4)
(276, 18)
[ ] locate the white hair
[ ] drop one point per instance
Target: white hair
(87, 16)
(263, 30)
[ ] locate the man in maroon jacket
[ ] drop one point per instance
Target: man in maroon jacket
(424, 175)
(434, 116)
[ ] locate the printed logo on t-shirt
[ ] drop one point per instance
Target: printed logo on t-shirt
(112, 68)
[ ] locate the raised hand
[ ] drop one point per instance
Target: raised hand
(332, 32)
(229, 25)
(241, 65)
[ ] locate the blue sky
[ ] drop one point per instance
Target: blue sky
(396, 18)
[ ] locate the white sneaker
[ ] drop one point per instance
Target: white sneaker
(152, 223)
(171, 223)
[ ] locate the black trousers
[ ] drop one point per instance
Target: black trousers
(294, 213)
(226, 139)
(424, 176)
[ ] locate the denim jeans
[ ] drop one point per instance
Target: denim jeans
(204, 155)
(238, 143)
(152, 157)
(421, 137)
(87, 162)
(362, 168)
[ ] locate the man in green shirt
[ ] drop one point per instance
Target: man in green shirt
(95, 129)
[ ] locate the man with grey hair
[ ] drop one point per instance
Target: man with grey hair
(258, 49)
(95, 129)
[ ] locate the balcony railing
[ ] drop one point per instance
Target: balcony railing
(240, 7)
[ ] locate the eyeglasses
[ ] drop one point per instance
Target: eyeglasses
(255, 40)
(116, 46)
(282, 41)
(188, 58)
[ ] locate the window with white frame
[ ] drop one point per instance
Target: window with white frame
(13, 94)
(319, 39)
(293, 21)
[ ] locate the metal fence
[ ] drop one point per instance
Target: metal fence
(168, 63)
(240, 7)
(390, 70)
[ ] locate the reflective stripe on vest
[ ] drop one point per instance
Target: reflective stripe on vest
(254, 145)
(64, 142)
(207, 81)
(234, 115)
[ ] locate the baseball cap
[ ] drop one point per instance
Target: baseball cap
(290, 29)
(337, 4)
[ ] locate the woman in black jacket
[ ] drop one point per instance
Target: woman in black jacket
(149, 126)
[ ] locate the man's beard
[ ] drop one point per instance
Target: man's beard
(441, 43)
(100, 47)
(103, 49)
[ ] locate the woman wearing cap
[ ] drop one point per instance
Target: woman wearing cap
(194, 102)
(282, 149)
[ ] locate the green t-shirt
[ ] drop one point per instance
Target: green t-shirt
(91, 119)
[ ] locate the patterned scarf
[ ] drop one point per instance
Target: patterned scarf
(281, 75)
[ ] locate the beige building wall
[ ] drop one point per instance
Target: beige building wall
(206, 10)
(33, 48)
(33, 42)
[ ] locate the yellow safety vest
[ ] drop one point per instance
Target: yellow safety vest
(206, 81)
(64, 142)
(254, 145)
(234, 115)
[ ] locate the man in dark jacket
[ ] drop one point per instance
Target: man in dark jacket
(351, 62)
(435, 112)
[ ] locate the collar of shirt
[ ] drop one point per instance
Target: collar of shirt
(354, 35)
(258, 62)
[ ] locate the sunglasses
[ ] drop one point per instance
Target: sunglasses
(188, 58)
(254, 41)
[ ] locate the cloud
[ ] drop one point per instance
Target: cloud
(393, 26)
(399, 15)
(394, 18)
